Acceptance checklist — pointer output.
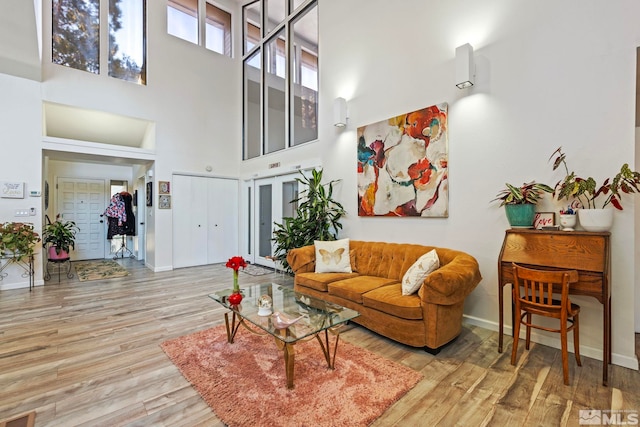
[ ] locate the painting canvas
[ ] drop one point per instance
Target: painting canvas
(403, 165)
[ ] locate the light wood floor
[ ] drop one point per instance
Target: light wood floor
(87, 353)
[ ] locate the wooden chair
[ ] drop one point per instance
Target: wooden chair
(532, 294)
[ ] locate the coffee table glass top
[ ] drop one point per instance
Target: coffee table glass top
(317, 315)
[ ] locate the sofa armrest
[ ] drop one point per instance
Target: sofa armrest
(302, 260)
(451, 283)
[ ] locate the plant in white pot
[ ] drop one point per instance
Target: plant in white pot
(61, 236)
(520, 202)
(594, 198)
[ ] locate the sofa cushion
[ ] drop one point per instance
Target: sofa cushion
(319, 281)
(415, 275)
(332, 256)
(389, 299)
(353, 288)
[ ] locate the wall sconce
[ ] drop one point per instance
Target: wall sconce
(465, 68)
(340, 112)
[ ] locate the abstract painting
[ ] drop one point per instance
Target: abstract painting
(403, 165)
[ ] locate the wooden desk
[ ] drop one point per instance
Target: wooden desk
(587, 252)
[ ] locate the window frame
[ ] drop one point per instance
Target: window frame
(293, 66)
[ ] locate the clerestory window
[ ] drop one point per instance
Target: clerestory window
(75, 26)
(280, 75)
(183, 20)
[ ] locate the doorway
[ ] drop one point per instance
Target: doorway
(273, 200)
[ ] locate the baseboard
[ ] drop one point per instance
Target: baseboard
(625, 361)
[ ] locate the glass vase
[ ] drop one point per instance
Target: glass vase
(236, 286)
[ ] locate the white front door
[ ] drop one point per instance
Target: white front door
(83, 201)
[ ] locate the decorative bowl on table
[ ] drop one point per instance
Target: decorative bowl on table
(282, 321)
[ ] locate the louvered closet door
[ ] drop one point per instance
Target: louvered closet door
(83, 201)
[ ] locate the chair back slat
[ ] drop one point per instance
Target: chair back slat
(535, 288)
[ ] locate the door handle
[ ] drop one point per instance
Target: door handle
(142, 223)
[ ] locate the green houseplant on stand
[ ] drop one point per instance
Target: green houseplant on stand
(592, 198)
(316, 218)
(17, 240)
(520, 202)
(60, 235)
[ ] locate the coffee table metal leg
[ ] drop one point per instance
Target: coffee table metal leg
(326, 349)
(231, 328)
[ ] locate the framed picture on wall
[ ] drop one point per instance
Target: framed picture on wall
(164, 201)
(149, 193)
(164, 187)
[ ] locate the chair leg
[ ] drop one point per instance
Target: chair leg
(516, 337)
(565, 354)
(528, 342)
(576, 339)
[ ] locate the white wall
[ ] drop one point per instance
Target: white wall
(544, 80)
(193, 95)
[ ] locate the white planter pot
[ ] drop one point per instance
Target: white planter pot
(596, 219)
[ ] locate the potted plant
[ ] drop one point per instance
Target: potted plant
(317, 218)
(61, 235)
(520, 202)
(17, 240)
(594, 198)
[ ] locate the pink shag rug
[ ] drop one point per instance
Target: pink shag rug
(245, 383)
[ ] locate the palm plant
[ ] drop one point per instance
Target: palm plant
(316, 218)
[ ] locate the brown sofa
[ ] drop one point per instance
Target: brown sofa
(430, 318)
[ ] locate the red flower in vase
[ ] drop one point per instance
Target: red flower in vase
(236, 262)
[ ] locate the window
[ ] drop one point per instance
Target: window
(75, 37)
(127, 40)
(280, 95)
(218, 30)
(75, 27)
(182, 19)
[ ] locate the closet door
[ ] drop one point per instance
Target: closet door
(189, 207)
(205, 220)
(222, 242)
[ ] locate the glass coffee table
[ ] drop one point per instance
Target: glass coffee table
(316, 319)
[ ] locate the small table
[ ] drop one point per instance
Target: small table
(320, 318)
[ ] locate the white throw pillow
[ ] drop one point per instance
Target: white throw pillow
(332, 256)
(420, 269)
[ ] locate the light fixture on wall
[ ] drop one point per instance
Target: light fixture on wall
(340, 112)
(465, 67)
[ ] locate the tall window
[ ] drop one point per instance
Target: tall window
(127, 41)
(75, 26)
(76, 36)
(280, 93)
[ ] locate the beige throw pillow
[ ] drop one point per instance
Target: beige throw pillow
(332, 256)
(420, 269)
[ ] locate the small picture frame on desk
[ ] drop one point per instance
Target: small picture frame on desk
(542, 220)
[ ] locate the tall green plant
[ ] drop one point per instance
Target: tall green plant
(316, 218)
